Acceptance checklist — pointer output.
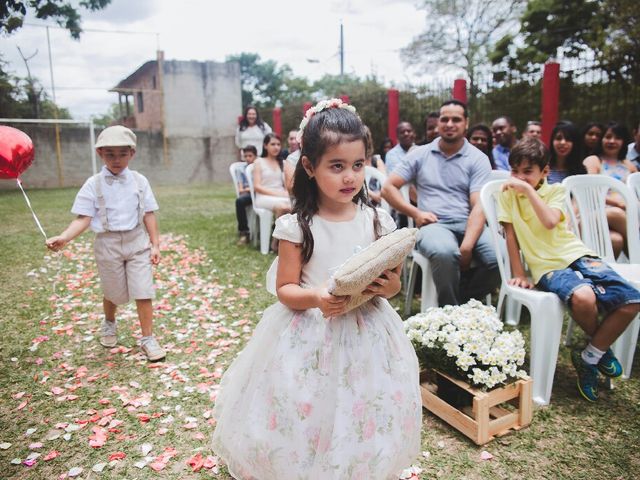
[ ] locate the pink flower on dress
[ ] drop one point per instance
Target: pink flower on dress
(361, 472)
(305, 409)
(369, 428)
(358, 409)
(273, 422)
(398, 396)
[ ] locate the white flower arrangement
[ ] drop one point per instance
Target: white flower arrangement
(468, 341)
(317, 108)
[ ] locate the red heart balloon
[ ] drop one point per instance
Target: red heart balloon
(16, 152)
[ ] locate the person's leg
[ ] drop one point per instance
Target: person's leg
(145, 315)
(617, 220)
(242, 202)
(485, 277)
(613, 325)
(439, 244)
(109, 310)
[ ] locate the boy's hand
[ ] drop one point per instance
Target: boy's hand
(56, 243)
(516, 184)
(521, 282)
(155, 254)
(466, 255)
(331, 305)
(386, 285)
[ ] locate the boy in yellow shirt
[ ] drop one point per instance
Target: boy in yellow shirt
(531, 212)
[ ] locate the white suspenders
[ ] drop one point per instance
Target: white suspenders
(102, 208)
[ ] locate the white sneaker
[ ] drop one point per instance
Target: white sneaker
(108, 336)
(152, 349)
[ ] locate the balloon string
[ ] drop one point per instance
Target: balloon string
(30, 208)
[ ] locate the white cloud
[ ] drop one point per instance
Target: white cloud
(287, 31)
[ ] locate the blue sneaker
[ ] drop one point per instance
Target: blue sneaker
(587, 376)
(609, 365)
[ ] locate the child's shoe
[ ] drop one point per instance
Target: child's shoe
(152, 349)
(108, 336)
(609, 365)
(587, 376)
(243, 240)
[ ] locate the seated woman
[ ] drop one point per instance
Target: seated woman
(566, 155)
(270, 175)
(480, 136)
(612, 162)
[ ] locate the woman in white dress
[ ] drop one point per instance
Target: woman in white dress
(251, 130)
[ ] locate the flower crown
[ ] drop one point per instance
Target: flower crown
(320, 106)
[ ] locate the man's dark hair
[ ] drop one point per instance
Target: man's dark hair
(529, 150)
(433, 115)
(508, 119)
(250, 148)
(453, 101)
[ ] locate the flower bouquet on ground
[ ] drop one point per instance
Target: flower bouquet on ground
(468, 342)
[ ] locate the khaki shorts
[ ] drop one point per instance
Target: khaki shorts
(124, 265)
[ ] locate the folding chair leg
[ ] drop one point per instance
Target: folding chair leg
(265, 234)
(545, 343)
(625, 346)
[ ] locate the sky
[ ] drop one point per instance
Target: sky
(287, 31)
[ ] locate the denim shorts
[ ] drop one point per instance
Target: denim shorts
(611, 290)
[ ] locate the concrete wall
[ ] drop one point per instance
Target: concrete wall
(190, 159)
(202, 98)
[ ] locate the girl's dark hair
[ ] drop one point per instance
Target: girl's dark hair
(586, 151)
(483, 128)
(573, 162)
(325, 129)
(621, 131)
(267, 138)
(244, 124)
(381, 152)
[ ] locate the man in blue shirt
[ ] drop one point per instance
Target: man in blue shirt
(449, 174)
(406, 141)
(504, 137)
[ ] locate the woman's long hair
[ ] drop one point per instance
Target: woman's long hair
(585, 149)
(483, 128)
(244, 124)
(622, 132)
(325, 129)
(573, 163)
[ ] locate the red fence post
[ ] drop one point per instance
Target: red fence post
(277, 121)
(550, 99)
(393, 100)
(460, 90)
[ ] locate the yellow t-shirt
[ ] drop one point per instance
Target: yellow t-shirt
(544, 249)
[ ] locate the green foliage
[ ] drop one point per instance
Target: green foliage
(110, 117)
(22, 98)
(12, 13)
(607, 30)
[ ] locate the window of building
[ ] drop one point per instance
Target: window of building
(153, 82)
(140, 103)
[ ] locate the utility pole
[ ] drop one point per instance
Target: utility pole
(341, 50)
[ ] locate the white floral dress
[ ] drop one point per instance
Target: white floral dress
(316, 399)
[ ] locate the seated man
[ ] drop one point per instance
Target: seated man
(449, 174)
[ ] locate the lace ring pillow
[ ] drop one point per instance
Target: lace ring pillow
(386, 253)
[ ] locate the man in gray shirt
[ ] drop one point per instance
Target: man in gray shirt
(449, 174)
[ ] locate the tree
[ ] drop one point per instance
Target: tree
(605, 30)
(12, 13)
(265, 82)
(110, 117)
(460, 34)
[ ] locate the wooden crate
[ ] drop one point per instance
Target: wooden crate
(486, 418)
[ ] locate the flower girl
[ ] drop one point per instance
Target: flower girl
(322, 393)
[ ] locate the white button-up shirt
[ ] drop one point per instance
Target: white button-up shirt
(121, 201)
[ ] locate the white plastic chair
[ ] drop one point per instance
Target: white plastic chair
(588, 193)
(265, 216)
(235, 169)
(546, 308)
(372, 172)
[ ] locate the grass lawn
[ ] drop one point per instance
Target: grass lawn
(68, 404)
